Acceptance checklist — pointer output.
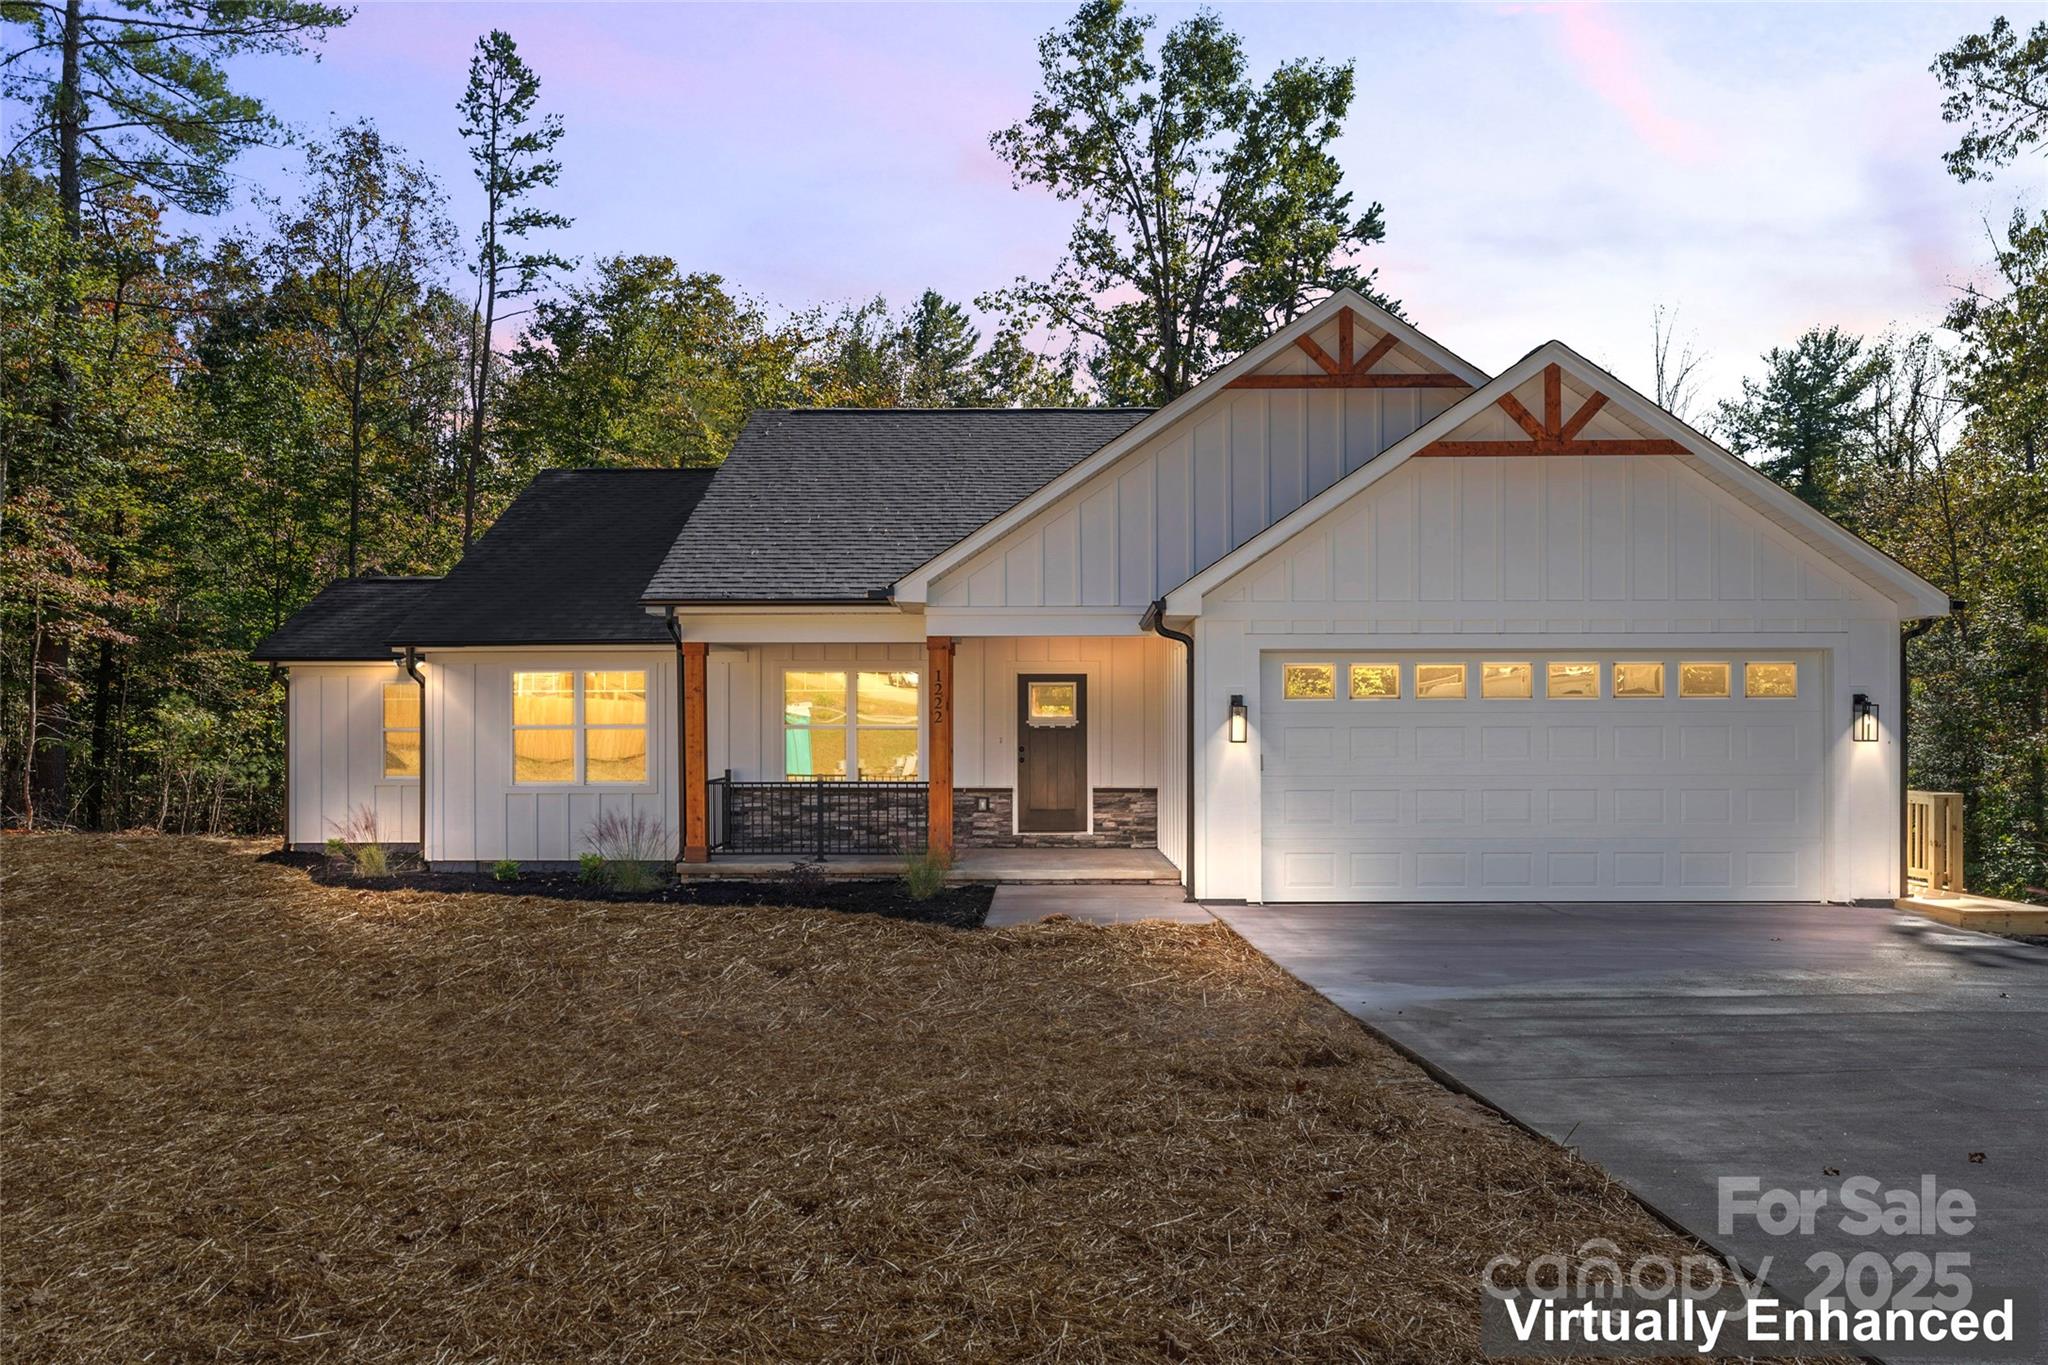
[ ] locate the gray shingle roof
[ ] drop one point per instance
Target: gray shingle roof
(564, 564)
(346, 622)
(836, 504)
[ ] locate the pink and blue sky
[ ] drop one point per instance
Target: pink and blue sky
(1547, 170)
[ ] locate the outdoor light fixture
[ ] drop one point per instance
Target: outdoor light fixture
(1238, 723)
(1866, 719)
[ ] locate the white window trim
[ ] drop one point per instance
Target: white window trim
(577, 728)
(417, 728)
(851, 726)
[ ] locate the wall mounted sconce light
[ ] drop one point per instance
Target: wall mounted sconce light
(1865, 711)
(1239, 724)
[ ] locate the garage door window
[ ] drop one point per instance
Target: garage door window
(1375, 680)
(1440, 682)
(1573, 680)
(1639, 680)
(1506, 682)
(1770, 680)
(1702, 680)
(1309, 682)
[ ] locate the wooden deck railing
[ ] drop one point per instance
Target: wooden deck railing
(1934, 843)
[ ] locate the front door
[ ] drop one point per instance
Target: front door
(1052, 755)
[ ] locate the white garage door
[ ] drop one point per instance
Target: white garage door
(1572, 776)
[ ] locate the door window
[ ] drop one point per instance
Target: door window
(1052, 704)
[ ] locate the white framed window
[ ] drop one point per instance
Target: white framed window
(1572, 680)
(1506, 682)
(1638, 679)
(1703, 678)
(1440, 682)
(1308, 682)
(1371, 681)
(401, 729)
(1053, 704)
(1762, 678)
(850, 722)
(579, 727)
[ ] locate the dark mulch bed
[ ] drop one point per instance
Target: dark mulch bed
(958, 907)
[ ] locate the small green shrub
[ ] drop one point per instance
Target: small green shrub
(590, 868)
(924, 875)
(632, 852)
(633, 876)
(358, 843)
(505, 870)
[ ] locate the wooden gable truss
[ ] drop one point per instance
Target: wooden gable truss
(1346, 371)
(1556, 434)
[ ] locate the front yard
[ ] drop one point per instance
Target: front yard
(247, 1115)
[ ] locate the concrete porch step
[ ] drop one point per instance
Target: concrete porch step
(1045, 866)
(1988, 913)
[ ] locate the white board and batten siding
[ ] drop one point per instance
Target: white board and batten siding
(1553, 556)
(336, 720)
(1192, 493)
(477, 814)
(1127, 679)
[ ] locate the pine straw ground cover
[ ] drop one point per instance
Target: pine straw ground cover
(248, 1116)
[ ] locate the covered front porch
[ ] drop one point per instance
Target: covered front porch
(1022, 758)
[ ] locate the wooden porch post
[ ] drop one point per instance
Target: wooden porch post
(939, 687)
(696, 792)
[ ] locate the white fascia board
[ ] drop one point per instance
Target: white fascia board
(1914, 594)
(393, 662)
(913, 586)
(778, 628)
(967, 622)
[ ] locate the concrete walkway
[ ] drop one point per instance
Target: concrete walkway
(1674, 1045)
(1092, 905)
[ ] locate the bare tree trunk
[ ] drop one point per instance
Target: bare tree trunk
(102, 704)
(49, 762)
(35, 712)
(355, 459)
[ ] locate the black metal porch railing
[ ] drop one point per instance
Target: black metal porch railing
(819, 818)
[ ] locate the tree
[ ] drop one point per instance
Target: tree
(929, 357)
(125, 96)
(356, 255)
(1678, 385)
(646, 365)
(1210, 208)
(1997, 86)
(136, 95)
(937, 343)
(513, 157)
(1807, 415)
(2004, 358)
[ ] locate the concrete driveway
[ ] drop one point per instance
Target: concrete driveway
(1677, 1044)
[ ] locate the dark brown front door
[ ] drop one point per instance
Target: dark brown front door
(1052, 754)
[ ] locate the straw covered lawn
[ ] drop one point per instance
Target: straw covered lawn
(248, 1116)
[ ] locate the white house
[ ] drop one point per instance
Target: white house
(1350, 621)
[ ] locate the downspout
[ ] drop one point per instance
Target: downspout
(1155, 621)
(412, 668)
(1906, 637)
(675, 632)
